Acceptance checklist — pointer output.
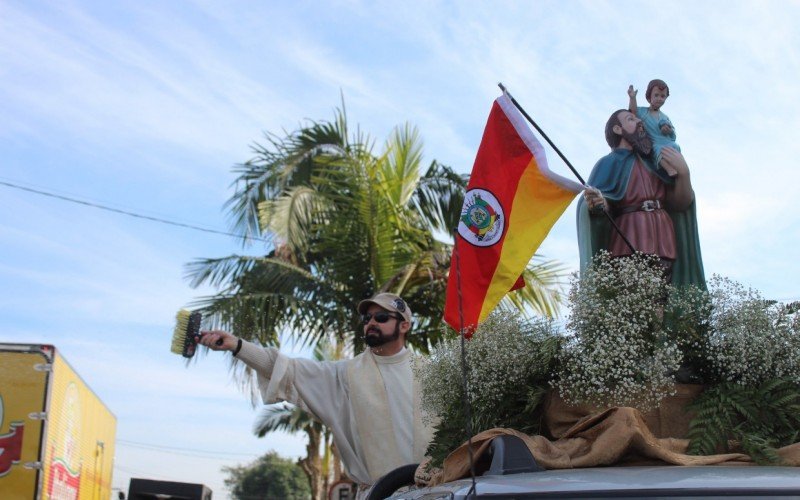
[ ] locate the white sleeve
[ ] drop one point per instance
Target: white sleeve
(316, 386)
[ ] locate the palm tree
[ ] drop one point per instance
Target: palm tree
(343, 223)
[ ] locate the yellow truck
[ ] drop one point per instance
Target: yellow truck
(56, 436)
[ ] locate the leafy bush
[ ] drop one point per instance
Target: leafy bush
(269, 476)
(760, 418)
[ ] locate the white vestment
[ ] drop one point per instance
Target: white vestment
(370, 403)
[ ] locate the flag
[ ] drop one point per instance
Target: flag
(511, 203)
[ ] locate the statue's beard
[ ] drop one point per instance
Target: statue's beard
(639, 141)
(375, 338)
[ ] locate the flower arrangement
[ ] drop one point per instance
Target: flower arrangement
(510, 361)
(751, 340)
(629, 338)
(620, 351)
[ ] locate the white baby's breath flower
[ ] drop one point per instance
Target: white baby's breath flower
(751, 340)
(619, 353)
(502, 356)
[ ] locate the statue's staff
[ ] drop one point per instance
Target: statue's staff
(564, 158)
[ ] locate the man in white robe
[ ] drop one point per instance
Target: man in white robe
(371, 403)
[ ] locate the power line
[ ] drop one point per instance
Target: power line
(132, 473)
(184, 451)
(128, 213)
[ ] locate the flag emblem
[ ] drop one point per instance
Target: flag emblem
(482, 220)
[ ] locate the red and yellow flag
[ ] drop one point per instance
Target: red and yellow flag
(512, 202)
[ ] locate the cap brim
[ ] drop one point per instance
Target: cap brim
(364, 305)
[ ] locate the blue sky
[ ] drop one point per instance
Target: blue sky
(146, 106)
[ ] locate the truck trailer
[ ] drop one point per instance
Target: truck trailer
(56, 435)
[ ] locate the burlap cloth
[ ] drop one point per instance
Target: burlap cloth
(582, 436)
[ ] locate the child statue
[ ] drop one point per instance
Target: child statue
(656, 123)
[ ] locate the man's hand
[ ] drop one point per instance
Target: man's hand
(632, 92)
(673, 162)
(595, 200)
(209, 338)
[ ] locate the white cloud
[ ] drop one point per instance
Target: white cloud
(168, 86)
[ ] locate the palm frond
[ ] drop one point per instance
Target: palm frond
(542, 291)
(277, 417)
(283, 417)
(218, 272)
(274, 294)
(439, 197)
(281, 163)
(291, 216)
(399, 168)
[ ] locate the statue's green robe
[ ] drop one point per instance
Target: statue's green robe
(611, 175)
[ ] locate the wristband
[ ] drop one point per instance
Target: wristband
(238, 347)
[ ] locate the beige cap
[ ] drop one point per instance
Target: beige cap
(388, 301)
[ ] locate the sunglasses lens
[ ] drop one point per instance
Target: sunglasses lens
(381, 317)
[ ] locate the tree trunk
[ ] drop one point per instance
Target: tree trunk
(312, 465)
(338, 470)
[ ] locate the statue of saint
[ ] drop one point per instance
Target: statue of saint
(652, 203)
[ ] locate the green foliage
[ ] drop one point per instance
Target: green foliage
(687, 319)
(270, 476)
(510, 361)
(761, 419)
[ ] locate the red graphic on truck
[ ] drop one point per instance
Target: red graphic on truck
(11, 447)
(10, 443)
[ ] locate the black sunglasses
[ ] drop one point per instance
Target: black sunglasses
(380, 317)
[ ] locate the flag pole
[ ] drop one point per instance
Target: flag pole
(541, 132)
(564, 158)
(464, 382)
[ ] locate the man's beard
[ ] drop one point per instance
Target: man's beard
(639, 141)
(380, 339)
